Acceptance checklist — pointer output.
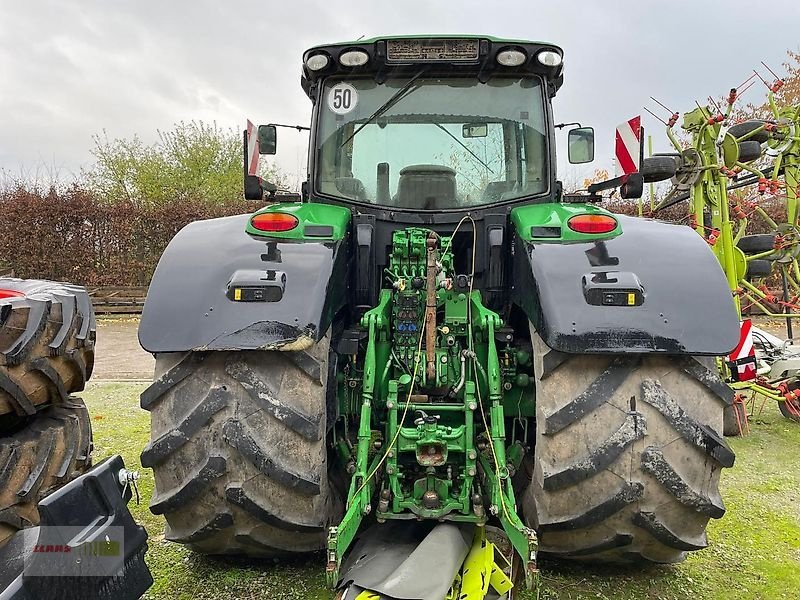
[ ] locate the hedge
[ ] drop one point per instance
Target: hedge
(72, 235)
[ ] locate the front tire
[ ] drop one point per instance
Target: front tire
(628, 455)
(238, 450)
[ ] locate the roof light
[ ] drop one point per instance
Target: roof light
(549, 58)
(510, 57)
(10, 294)
(274, 221)
(592, 223)
(353, 58)
(317, 62)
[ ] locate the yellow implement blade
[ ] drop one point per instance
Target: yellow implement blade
(480, 570)
(499, 580)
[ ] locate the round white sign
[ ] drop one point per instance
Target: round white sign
(342, 98)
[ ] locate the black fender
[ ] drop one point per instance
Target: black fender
(655, 288)
(291, 290)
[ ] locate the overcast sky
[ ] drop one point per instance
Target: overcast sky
(69, 70)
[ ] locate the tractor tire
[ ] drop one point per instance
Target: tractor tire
(50, 450)
(47, 335)
(628, 455)
(238, 450)
(742, 129)
(759, 267)
(755, 244)
(659, 168)
(749, 151)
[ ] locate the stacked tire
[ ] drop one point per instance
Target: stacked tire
(47, 338)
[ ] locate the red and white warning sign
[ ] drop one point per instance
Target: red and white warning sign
(629, 146)
(743, 358)
(252, 148)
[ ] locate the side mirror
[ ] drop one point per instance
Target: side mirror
(580, 144)
(267, 139)
(475, 130)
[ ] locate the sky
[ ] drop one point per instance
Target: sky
(71, 70)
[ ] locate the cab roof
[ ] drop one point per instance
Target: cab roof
(395, 56)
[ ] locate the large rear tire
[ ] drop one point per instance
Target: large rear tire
(238, 450)
(47, 335)
(628, 455)
(50, 450)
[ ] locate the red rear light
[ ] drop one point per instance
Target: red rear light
(274, 221)
(10, 294)
(592, 223)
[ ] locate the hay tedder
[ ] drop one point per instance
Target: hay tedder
(727, 170)
(433, 364)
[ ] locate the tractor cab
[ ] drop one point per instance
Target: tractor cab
(431, 125)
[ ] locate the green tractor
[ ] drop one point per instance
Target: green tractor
(434, 364)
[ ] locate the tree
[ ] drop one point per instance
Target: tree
(194, 160)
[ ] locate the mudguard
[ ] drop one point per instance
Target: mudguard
(290, 290)
(655, 288)
(34, 567)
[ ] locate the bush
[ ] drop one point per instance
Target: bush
(78, 236)
(72, 235)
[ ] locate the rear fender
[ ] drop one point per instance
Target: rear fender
(289, 290)
(653, 288)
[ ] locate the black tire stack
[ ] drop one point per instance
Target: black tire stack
(47, 336)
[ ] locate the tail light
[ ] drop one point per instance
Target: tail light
(592, 223)
(10, 294)
(274, 221)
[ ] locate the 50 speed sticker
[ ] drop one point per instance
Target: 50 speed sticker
(342, 98)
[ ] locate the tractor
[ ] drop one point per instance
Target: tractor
(433, 364)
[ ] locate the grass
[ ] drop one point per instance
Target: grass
(754, 550)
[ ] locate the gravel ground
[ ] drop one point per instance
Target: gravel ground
(118, 355)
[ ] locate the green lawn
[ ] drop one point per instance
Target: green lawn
(754, 550)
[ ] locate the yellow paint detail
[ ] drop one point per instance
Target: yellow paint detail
(631, 299)
(367, 595)
(237, 294)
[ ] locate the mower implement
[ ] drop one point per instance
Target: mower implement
(433, 364)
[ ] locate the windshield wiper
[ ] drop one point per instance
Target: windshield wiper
(395, 98)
